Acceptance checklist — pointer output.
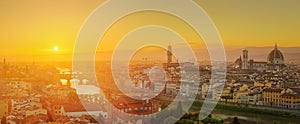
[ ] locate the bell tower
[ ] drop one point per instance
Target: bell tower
(245, 64)
(169, 54)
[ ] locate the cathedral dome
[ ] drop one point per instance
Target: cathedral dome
(238, 62)
(276, 56)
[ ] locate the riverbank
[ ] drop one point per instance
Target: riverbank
(223, 111)
(198, 104)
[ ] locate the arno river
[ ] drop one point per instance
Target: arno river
(268, 119)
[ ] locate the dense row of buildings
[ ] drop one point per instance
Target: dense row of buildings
(284, 98)
(248, 81)
(32, 94)
(270, 83)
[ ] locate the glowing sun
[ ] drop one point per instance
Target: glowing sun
(55, 48)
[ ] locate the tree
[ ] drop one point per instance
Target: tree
(187, 121)
(275, 122)
(209, 116)
(235, 120)
(226, 98)
(222, 121)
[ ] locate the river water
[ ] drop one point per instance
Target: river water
(268, 119)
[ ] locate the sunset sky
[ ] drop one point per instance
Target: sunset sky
(34, 27)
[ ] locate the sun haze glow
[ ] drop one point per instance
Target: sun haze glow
(55, 48)
(43, 24)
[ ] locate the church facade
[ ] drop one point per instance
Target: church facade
(275, 61)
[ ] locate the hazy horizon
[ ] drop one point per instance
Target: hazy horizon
(30, 34)
(256, 53)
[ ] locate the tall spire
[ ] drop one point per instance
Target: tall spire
(275, 45)
(169, 54)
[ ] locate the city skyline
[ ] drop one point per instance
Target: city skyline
(149, 62)
(257, 53)
(27, 32)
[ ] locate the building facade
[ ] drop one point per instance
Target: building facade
(284, 98)
(275, 60)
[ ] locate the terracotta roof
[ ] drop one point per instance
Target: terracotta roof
(291, 94)
(272, 90)
(260, 62)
